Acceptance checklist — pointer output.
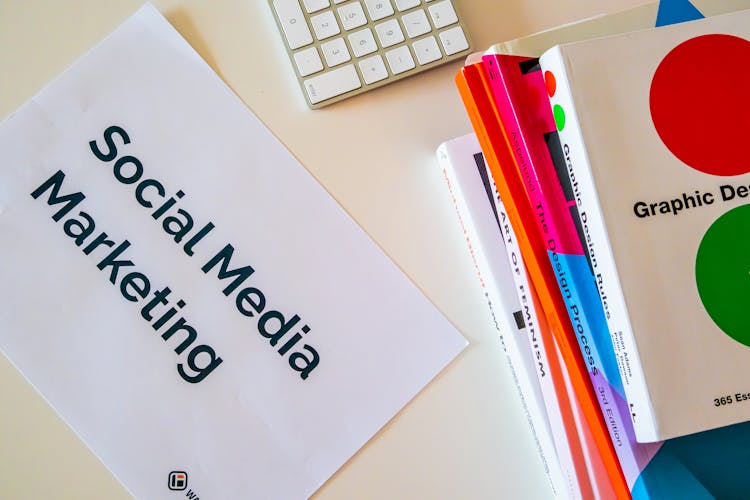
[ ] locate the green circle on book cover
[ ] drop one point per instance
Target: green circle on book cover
(722, 273)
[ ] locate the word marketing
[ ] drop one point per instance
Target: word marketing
(158, 310)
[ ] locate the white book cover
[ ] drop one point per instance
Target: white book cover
(184, 293)
(465, 174)
(654, 124)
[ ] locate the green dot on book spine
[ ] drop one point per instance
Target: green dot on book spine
(559, 115)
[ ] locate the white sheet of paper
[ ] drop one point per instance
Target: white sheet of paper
(141, 120)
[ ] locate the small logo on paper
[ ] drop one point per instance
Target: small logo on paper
(177, 480)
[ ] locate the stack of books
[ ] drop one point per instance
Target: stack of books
(603, 199)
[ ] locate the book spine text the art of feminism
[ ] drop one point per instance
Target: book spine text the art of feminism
(570, 439)
(597, 243)
(569, 434)
(474, 213)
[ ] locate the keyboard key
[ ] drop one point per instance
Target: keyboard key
(389, 33)
(352, 16)
(293, 23)
(315, 5)
(426, 50)
(333, 83)
(442, 14)
(308, 61)
(362, 42)
(400, 60)
(416, 23)
(453, 40)
(325, 25)
(403, 5)
(335, 52)
(373, 69)
(379, 9)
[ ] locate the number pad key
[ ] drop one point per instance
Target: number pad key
(416, 23)
(453, 40)
(335, 52)
(293, 23)
(362, 42)
(315, 5)
(400, 60)
(373, 69)
(352, 16)
(403, 5)
(308, 61)
(389, 33)
(379, 9)
(442, 14)
(426, 50)
(325, 25)
(331, 84)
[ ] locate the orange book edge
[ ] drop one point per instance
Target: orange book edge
(570, 408)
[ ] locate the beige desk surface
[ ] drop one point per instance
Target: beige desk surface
(464, 436)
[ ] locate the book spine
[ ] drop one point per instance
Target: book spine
(594, 460)
(597, 246)
(522, 121)
(474, 89)
(530, 377)
(545, 197)
(568, 429)
(559, 399)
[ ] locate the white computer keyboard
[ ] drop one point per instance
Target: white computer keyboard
(341, 48)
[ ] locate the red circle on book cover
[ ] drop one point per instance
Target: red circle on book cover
(700, 104)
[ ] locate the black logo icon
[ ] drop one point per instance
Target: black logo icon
(177, 480)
